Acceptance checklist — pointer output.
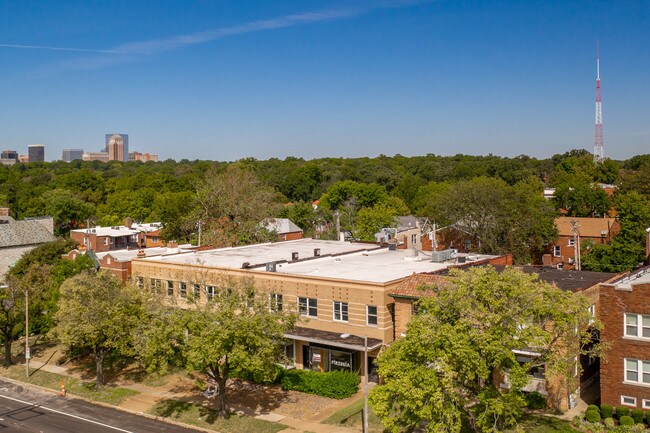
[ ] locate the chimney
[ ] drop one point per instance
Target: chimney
(4, 211)
(128, 222)
(141, 254)
(547, 261)
(172, 247)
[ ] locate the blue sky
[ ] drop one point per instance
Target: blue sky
(225, 80)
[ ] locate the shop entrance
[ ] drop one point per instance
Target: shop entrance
(318, 358)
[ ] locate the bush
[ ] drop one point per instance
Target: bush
(622, 411)
(593, 407)
(637, 415)
(609, 422)
(333, 384)
(592, 416)
(626, 421)
(606, 410)
(535, 400)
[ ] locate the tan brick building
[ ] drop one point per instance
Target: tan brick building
(625, 313)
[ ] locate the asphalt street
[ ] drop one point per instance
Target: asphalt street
(24, 409)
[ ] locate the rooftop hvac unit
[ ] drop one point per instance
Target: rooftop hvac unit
(461, 259)
(392, 247)
(444, 255)
(270, 267)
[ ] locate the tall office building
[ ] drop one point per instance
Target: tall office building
(70, 155)
(120, 150)
(36, 153)
(9, 154)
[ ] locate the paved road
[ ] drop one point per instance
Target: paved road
(25, 409)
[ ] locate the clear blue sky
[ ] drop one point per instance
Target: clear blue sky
(225, 80)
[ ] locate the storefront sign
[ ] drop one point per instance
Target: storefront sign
(338, 363)
(315, 357)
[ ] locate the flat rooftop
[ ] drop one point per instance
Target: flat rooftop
(353, 261)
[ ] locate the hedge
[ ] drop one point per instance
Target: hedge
(622, 411)
(637, 415)
(333, 384)
(609, 422)
(535, 400)
(626, 421)
(606, 410)
(592, 416)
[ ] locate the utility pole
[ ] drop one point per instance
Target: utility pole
(337, 214)
(575, 227)
(199, 233)
(27, 354)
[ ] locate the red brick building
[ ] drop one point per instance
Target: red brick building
(128, 236)
(591, 231)
(625, 313)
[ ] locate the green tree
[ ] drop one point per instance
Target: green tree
(235, 331)
(451, 362)
(372, 219)
(98, 313)
(232, 204)
(67, 210)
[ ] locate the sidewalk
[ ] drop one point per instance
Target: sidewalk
(149, 396)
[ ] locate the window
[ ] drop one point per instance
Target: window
(646, 404)
(637, 325)
(628, 401)
(415, 308)
(560, 266)
(140, 282)
(154, 239)
(371, 314)
(170, 288)
(468, 245)
(105, 241)
(557, 252)
(182, 290)
(414, 239)
(308, 307)
(209, 290)
(197, 292)
(340, 311)
(592, 313)
(572, 242)
(155, 284)
(275, 302)
(637, 371)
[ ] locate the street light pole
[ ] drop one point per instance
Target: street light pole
(27, 354)
(365, 400)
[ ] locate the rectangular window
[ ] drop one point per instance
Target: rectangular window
(308, 307)
(182, 290)
(170, 288)
(275, 302)
(592, 313)
(105, 241)
(209, 290)
(140, 282)
(637, 371)
(340, 311)
(628, 401)
(557, 252)
(197, 292)
(415, 308)
(155, 284)
(414, 239)
(572, 242)
(371, 314)
(646, 404)
(637, 325)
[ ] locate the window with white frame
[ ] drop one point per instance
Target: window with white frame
(414, 239)
(592, 313)
(628, 401)
(340, 311)
(637, 371)
(155, 284)
(572, 242)
(371, 314)
(275, 301)
(170, 288)
(637, 325)
(308, 306)
(209, 292)
(182, 289)
(557, 251)
(197, 291)
(645, 404)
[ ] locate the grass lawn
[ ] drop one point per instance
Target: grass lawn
(545, 424)
(106, 394)
(204, 417)
(350, 417)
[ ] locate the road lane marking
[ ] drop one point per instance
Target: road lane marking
(66, 414)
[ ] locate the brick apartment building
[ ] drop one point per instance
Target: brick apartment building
(625, 313)
(129, 236)
(591, 231)
(338, 288)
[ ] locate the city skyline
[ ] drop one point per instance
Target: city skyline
(275, 79)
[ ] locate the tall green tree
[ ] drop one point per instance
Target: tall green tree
(451, 362)
(234, 331)
(98, 313)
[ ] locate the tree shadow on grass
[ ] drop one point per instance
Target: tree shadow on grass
(175, 409)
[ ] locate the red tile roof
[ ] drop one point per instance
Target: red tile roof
(420, 286)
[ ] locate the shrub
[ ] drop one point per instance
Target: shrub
(535, 400)
(606, 410)
(622, 411)
(593, 407)
(592, 416)
(609, 422)
(637, 415)
(333, 384)
(626, 421)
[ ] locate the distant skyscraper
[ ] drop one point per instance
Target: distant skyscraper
(36, 153)
(9, 154)
(70, 155)
(124, 147)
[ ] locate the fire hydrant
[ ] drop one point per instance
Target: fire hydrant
(62, 389)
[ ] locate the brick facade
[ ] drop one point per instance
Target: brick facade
(615, 301)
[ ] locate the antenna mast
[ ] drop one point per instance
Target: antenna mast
(599, 150)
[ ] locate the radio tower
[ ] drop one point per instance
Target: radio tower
(599, 151)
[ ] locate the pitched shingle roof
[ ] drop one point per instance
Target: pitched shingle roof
(20, 233)
(588, 227)
(281, 226)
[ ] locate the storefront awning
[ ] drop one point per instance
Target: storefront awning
(353, 342)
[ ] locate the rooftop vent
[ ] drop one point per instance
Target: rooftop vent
(316, 252)
(270, 267)
(294, 256)
(247, 265)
